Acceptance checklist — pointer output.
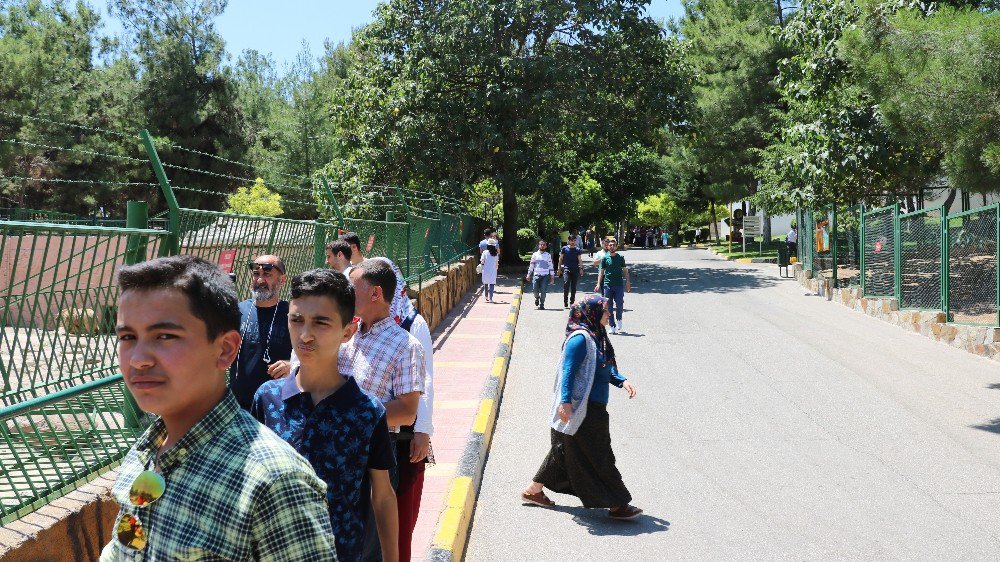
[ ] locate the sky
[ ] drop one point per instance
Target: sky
(281, 27)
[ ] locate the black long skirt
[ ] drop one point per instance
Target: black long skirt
(583, 465)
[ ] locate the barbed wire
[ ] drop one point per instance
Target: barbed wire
(246, 181)
(221, 159)
(78, 182)
(76, 150)
(61, 123)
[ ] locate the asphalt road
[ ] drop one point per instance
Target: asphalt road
(769, 425)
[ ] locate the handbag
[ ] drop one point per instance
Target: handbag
(479, 268)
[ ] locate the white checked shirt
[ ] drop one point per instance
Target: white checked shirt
(387, 361)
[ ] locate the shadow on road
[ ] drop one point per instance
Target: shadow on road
(993, 426)
(653, 278)
(598, 524)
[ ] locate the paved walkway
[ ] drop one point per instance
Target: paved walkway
(769, 425)
(465, 344)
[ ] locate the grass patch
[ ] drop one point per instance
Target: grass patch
(769, 250)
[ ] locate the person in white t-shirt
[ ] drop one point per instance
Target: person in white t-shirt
(541, 272)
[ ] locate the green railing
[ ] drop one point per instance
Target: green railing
(64, 412)
(926, 259)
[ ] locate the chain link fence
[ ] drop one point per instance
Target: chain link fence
(847, 246)
(972, 267)
(920, 259)
(879, 253)
(925, 259)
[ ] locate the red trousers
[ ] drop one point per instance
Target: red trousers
(411, 486)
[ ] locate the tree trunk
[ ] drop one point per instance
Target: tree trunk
(951, 199)
(767, 226)
(715, 220)
(509, 248)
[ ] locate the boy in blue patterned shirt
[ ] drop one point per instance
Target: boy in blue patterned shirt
(326, 417)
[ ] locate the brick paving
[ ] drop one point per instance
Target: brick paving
(465, 344)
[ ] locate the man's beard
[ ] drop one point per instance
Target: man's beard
(263, 294)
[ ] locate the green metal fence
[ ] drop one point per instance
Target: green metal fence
(920, 240)
(879, 276)
(64, 412)
(925, 259)
(972, 267)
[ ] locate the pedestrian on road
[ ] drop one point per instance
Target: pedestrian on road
(665, 237)
(490, 261)
(580, 461)
(591, 242)
(792, 239)
(569, 269)
(541, 272)
(613, 279)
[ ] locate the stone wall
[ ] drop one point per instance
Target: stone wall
(76, 527)
(436, 296)
(980, 340)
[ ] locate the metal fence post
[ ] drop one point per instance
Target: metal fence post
(864, 239)
(896, 255)
(945, 268)
(172, 246)
(333, 201)
(833, 246)
(996, 219)
(389, 219)
(319, 244)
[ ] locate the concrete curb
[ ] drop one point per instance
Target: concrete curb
(455, 521)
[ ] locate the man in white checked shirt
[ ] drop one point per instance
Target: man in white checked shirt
(386, 360)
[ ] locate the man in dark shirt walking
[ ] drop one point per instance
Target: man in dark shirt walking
(266, 347)
(325, 415)
(569, 269)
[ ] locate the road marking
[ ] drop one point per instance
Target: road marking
(483, 417)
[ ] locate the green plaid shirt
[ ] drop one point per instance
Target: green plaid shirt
(235, 491)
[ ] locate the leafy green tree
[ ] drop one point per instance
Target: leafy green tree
(936, 77)
(832, 143)
(731, 46)
(188, 97)
(523, 92)
(55, 65)
(256, 200)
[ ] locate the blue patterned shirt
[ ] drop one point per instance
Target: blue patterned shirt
(343, 437)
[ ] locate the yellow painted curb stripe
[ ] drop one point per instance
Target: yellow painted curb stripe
(744, 260)
(511, 318)
(483, 417)
(498, 366)
(508, 337)
(454, 516)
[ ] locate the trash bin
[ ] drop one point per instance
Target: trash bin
(783, 259)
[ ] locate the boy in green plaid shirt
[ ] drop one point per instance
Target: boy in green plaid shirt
(205, 481)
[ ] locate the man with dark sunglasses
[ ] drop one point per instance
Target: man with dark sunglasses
(267, 346)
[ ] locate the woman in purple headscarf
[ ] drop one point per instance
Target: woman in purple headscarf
(580, 461)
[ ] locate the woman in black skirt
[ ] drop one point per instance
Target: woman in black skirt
(580, 461)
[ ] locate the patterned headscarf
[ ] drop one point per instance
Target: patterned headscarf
(401, 306)
(586, 315)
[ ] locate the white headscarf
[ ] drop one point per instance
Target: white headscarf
(401, 306)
